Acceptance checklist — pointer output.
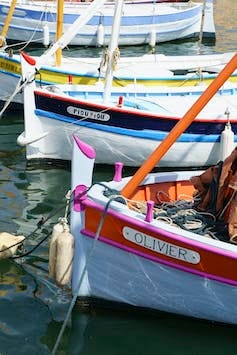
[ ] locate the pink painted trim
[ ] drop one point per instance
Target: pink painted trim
(79, 198)
(162, 232)
(161, 261)
(149, 214)
(86, 149)
(118, 172)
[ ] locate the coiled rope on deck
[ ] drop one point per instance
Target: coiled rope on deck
(181, 213)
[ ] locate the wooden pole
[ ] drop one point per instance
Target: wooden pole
(59, 32)
(179, 128)
(7, 22)
(202, 24)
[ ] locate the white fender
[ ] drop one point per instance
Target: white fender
(100, 35)
(227, 144)
(57, 230)
(46, 35)
(64, 258)
(152, 41)
(9, 244)
(61, 253)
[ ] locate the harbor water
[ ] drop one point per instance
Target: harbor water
(32, 307)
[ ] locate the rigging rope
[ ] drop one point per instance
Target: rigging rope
(82, 275)
(39, 226)
(18, 88)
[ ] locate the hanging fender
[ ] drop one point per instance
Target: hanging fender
(46, 35)
(100, 35)
(61, 252)
(227, 142)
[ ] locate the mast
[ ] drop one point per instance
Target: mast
(179, 128)
(7, 22)
(202, 25)
(67, 36)
(59, 31)
(113, 48)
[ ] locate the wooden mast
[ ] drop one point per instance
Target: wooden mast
(7, 22)
(59, 32)
(179, 128)
(113, 46)
(202, 25)
(70, 32)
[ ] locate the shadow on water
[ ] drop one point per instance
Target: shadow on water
(32, 311)
(29, 303)
(118, 333)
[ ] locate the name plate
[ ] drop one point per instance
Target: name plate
(160, 246)
(99, 116)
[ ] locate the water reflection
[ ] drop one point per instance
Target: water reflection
(135, 333)
(32, 307)
(23, 315)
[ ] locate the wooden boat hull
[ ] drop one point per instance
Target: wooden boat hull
(148, 70)
(124, 256)
(129, 131)
(168, 21)
(146, 285)
(132, 151)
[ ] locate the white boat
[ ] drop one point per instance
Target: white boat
(147, 70)
(130, 120)
(143, 250)
(141, 23)
(128, 124)
(144, 241)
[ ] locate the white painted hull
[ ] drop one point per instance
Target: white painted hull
(169, 22)
(119, 276)
(122, 265)
(111, 147)
(129, 133)
(147, 70)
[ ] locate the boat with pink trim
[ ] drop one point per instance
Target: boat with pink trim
(153, 250)
(163, 241)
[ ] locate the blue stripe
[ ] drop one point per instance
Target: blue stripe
(144, 134)
(158, 94)
(107, 20)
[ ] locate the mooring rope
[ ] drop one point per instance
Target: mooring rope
(97, 234)
(20, 85)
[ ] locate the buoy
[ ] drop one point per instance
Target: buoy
(61, 253)
(100, 35)
(152, 41)
(57, 230)
(9, 244)
(46, 35)
(227, 142)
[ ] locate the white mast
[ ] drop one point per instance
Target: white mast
(71, 32)
(113, 47)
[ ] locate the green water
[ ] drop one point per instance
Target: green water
(32, 307)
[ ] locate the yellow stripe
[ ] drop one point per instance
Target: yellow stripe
(12, 67)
